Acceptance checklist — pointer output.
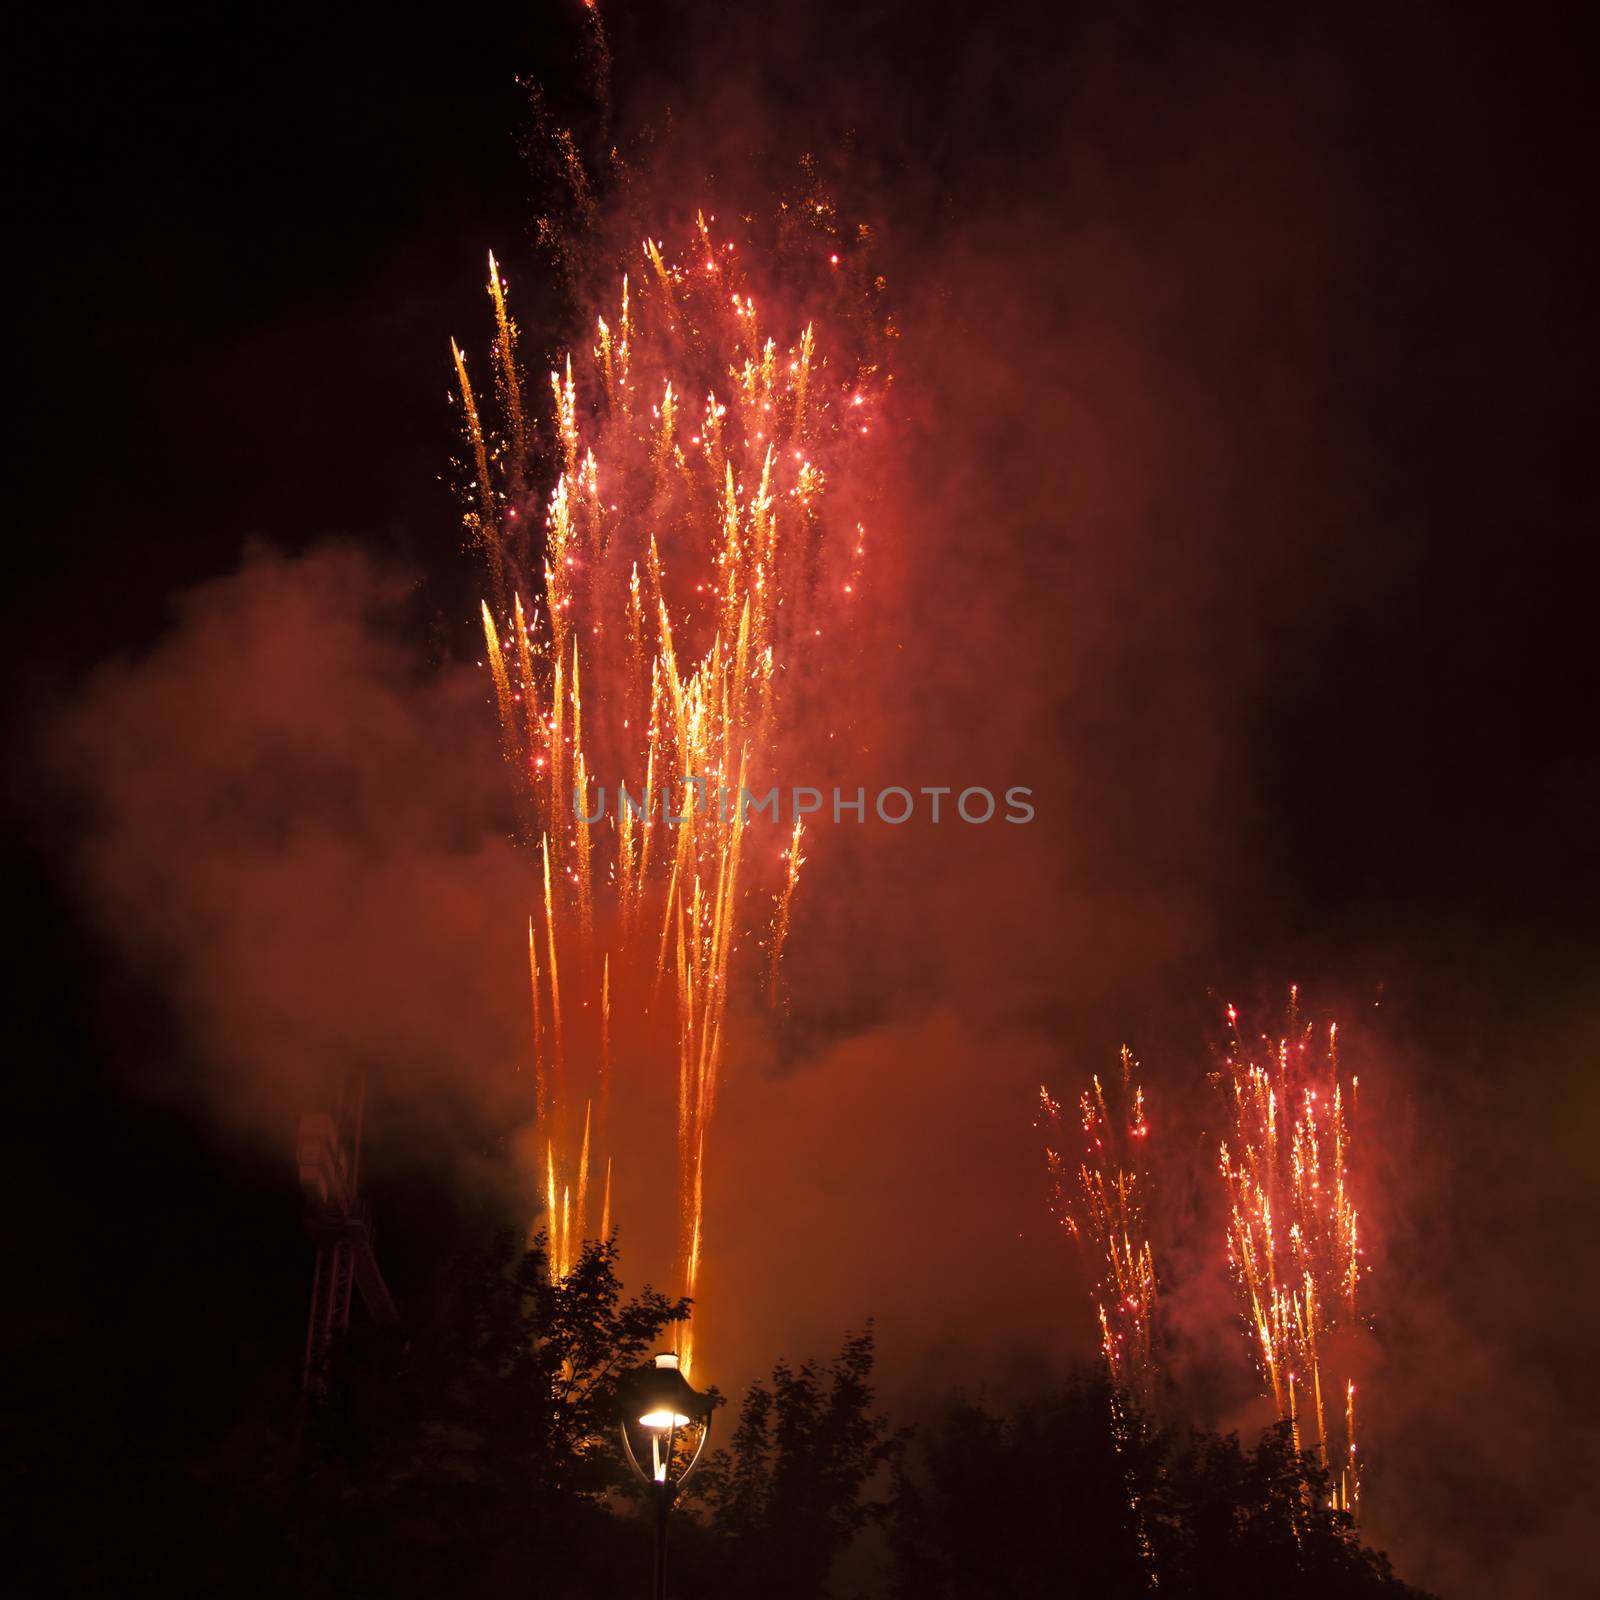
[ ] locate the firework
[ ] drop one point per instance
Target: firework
(1102, 1203)
(1292, 1236)
(686, 557)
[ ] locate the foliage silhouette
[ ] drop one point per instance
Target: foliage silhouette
(795, 1487)
(473, 1451)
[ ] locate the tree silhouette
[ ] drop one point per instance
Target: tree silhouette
(1032, 1504)
(1075, 1492)
(1223, 1517)
(486, 1442)
(793, 1489)
(473, 1451)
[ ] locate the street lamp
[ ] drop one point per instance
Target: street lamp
(665, 1425)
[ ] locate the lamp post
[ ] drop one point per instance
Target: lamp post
(665, 1424)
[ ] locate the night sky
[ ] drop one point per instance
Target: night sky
(1244, 449)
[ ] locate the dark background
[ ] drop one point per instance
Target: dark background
(245, 239)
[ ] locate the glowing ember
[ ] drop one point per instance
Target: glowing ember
(1292, 1240)
(686, 550)
(1102, 1205)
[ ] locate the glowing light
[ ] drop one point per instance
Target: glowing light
(1292, 1234)
(1102, 1204)
(608, 668)
(663, 1420)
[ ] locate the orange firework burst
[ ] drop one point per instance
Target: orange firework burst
(1292, 1238)
(1102, 1205)
(687, 556)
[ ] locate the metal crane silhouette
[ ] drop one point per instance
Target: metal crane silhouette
(338, 1222)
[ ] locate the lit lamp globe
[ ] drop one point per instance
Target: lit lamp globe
(665, 1425)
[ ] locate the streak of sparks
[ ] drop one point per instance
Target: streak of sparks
(1101, 1203)
(1292, 1232)
(662, 674)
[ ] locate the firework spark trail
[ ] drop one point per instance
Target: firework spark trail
(686, 560)
(780, 923)
(1292, 1234)
(1102, 1204)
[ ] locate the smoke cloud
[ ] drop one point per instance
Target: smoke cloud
(296, 827)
